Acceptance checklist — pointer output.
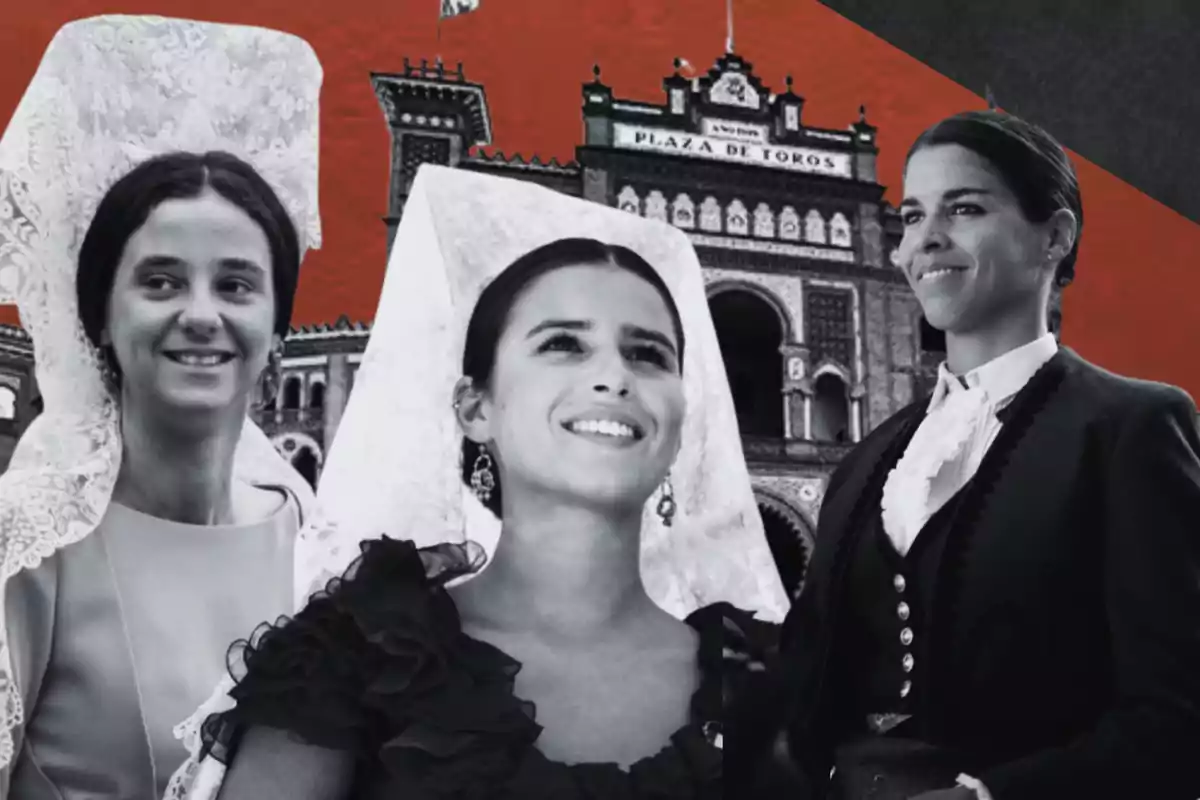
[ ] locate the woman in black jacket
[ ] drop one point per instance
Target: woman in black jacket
(1004, 597)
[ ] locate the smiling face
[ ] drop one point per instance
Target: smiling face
(192, 309)
(586, 398)
(971, 256)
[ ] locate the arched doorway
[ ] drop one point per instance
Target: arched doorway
(750, 332)
(790, 539)
(830, 409)
(291, 393)
(302, 452)
(305, 462)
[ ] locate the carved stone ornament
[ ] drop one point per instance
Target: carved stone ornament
(733, 89)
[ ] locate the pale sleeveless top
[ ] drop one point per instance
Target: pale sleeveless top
(120, 637)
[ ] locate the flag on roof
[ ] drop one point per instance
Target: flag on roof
(454, 8)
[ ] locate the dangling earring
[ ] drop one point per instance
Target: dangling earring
(666, 503)
(483, 480)
(270, 378)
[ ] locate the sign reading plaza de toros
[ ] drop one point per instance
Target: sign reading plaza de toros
(670, 142)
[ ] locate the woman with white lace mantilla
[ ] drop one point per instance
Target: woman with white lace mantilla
(145, 522)
(1003, 599)
(601, 464)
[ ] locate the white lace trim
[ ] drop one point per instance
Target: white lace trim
(109, 92)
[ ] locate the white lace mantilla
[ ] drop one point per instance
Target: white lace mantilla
(109, 93)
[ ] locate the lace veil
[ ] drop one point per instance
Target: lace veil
(394, 465)
(110, 92)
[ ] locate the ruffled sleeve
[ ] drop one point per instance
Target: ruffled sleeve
(384, 627)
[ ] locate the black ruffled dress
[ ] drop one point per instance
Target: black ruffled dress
(377, 665)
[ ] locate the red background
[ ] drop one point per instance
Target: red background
(1132, 306)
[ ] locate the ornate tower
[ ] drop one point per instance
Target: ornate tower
(435, 116)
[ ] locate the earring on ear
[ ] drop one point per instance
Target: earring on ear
(483, 479)
(666, 503)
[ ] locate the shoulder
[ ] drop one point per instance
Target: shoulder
(1124, 400)
(255, 503)
(313, 674)
(391, 580)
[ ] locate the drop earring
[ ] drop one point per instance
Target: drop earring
(666, 503)
(483, 479)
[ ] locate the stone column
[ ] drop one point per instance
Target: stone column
(337, 393)
(857, 393)
(796, 409)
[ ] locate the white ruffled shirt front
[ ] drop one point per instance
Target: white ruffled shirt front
(959, 428)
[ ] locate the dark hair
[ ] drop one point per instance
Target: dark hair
(1032, 163)
(178, 176)
(491, 313)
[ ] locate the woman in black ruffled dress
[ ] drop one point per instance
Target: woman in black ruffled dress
(552, 673)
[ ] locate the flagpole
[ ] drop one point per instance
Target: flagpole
(728, 26)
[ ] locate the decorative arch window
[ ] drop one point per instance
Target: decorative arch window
(839, 231)
(292, 390)
(656, 206)
(814, 227)
(737, 219)
(302, 452)
(789, 224)
(316, 395)
(764, 221)
(829, 324)
(750, 331)
(628, 200)
(308, 464)
(710, 215)
(677, 106)
(831, 409)
(683, 212)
